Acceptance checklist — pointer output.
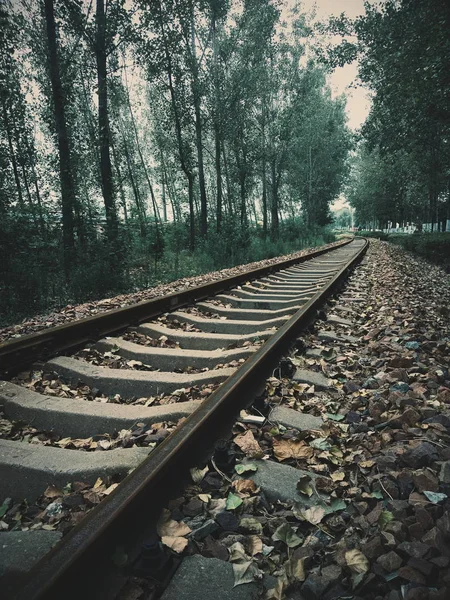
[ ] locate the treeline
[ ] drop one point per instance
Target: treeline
(138, 135)
(402, 170)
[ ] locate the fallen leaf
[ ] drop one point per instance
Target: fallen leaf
(245, 572)
(233, 501)
(245, 486)
(285, 533)
(366, 464)
(284, 449)
(338, 476)
(385, 518)
(242, 468)
(435, 497)
(295, 569)
(198, 474)
(356, 561)
(167, 527)
(254, 544)
(248, 444)
(175, 543)
(277, 593)
(335, 417)
(52, 492)
(314, 514)
(320, 444)
(251, 524)
(304, 486)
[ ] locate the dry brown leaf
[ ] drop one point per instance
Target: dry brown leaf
(284, 449)
(52, 492)
(245, 486)
(167, 527)
(176, 543)
(254, 544)
(248, 444)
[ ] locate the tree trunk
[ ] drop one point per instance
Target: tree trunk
(137, 197)
(12, 156)
(227, 179)
(103, 125)
(264, 181)
(198, 137)
(65, 164)
(163, 188)
(138, 146)
(217, 126)
(191, 213)
(120, 182)
(274, 205)
(264, 196)
(181, 147)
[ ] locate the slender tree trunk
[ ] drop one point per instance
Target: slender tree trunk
(274, 205)
(137, 197)
(138, 146)
(264, 196)
(163, 186)
(217, 127)
(12, 155)
(264, 180)
(242, 178)
(103, 125)
(227, 179)
(191, 213)
(39, 203)
(198, 137)
(90, 122)
(65, 164)
(120, 182)
(31, 155)
(181, 147)
(30, 199)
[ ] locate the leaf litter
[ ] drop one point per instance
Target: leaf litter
(377, 520)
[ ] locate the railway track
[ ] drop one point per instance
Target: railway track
(217, 341)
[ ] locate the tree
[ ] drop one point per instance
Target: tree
(403, 48)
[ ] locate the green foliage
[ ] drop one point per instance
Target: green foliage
(435, 247)
(32, 278)
(377, 235)
(403, 48)
(164, 138)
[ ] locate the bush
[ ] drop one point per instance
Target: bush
(32, 277)
(378, 235)
(435, 247)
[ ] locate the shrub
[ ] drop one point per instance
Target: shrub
(435, 247)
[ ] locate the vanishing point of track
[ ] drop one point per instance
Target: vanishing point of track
(270, 304)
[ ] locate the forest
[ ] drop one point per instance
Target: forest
(144, 141)
(141, 142)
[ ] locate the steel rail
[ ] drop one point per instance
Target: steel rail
(20, 352)
(72, 568)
